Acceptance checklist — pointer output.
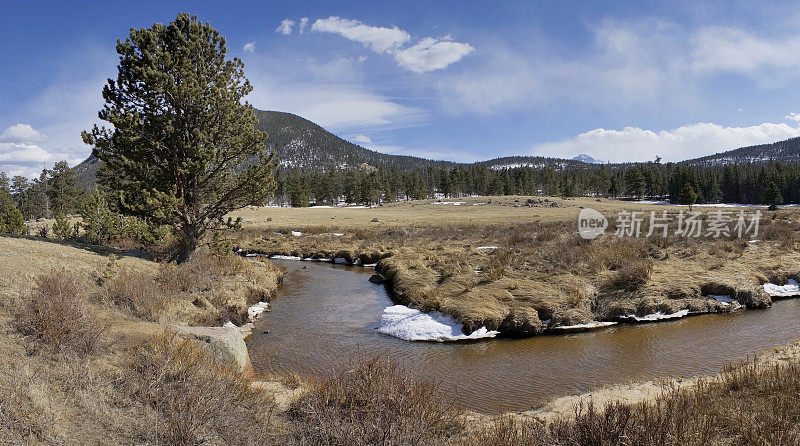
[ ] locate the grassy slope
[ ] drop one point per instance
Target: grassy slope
(71, 396)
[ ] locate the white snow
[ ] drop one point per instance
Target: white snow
(297, 233)
(282, 257)
(723, 299)
(487, 247)
(255, 310)
(659, 316)
(712, 205)
(587, 326)
(409, 324)
(454, 203)
(478, 204)
(792, 288)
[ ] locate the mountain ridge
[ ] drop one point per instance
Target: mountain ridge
(300, 143)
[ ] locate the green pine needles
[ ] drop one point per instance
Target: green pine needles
(183, 150)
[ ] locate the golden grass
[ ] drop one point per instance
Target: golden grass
(542, 271)
(59, 295)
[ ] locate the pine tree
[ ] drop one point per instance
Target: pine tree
(99, 223)
(183, 149)
(21, 191)
(774, 197)
(687, 196)
(62, 228)
(635, 185)
(11, 221)
(5, 183)
(62, 188)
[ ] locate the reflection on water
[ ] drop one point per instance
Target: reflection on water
(324, 314)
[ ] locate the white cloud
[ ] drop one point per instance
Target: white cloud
(249, 47)
(376, 38)
(689, 141)
(793, 116)
(21, 133)
(330, 94)
(458, 156)
(362, 139)
(431, 54)
(718, 49)
(285, 27)
(627, 64)
(303, 24)
(27, 159)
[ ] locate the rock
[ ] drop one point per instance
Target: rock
(555, 204)
(376, 278)
(225, 344)
(375, 220)
(521, 322)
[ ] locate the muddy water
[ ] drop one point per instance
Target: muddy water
(324, 314)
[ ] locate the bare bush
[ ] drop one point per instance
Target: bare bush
(198, 399)
(373, 403)
(138, 294)
(630, 276)
(59, 314)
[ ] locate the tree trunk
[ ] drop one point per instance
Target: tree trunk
(188, 243)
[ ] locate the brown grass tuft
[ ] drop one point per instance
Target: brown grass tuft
(373, 403)
(198, 399)
(59, 315)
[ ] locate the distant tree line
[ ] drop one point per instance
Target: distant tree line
(54, 194)
(773, 183)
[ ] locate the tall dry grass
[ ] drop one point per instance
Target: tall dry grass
(744, 405)
(209, 289)
(59, 315)
(199, 401)
(375, 403)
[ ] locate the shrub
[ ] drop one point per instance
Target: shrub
(197, 398)
(373, 403)
(139, 294)
(59, 315)
(631, 276)
(61, 228)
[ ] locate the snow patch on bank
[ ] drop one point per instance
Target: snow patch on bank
(409, 324)
(454, 203)
(255, 310)
(586, 326)
(723, 299)
(792, 288)
(282, 257)
(487, 247)
(659, 316)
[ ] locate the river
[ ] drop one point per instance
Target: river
(324, 314)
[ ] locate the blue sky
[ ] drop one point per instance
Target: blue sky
(459, 80)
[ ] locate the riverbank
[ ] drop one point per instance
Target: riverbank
(518, 266)
(100, 345)
(650, 392)
(126, 378)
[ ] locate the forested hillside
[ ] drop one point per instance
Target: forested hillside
(783, 151)
(318, 167)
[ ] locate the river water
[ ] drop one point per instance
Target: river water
(324, 314)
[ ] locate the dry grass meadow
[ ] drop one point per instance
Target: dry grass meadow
(517, 264)
(89, 358)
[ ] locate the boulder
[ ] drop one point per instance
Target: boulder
(376, 278)
(224, 344)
